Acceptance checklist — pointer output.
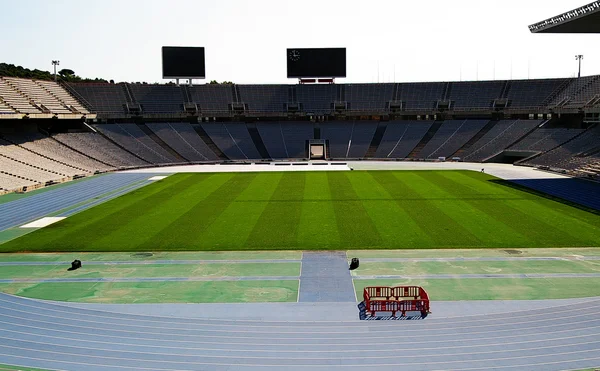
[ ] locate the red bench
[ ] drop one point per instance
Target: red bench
(396, 299)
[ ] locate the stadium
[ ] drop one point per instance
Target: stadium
(182, 226)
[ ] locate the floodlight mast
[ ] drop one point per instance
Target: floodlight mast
(579, 57)
(55, 63)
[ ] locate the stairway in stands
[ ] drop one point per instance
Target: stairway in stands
(161, 143)
(447, 91)
(430, 133)
(209, 142)
(561, 89)
(475, 139)
(185, 92)
(376, 141)
(128, 94)
(258, 142)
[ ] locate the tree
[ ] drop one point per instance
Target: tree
(215, 82)
(68, 75)
(66, 72)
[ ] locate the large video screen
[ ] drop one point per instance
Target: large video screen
(323, 62)
(183, 62)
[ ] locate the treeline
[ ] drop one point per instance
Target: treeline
(10, 70)
(215, 82)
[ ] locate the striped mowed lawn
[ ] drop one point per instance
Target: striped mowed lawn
(320, 210)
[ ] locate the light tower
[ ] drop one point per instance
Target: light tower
(55, 63)
(579, 57)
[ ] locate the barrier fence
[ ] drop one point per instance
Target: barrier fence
(396, 299)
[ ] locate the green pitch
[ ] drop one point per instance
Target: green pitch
(320, 210)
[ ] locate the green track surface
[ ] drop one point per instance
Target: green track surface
(150, 257)
(320, 210)
(18, 368)
(154, 270)
(475, 267)
(159, 292)
(495, 288)
(567, 253)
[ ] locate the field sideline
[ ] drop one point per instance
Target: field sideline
(320, 211)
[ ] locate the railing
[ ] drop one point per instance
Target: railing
(396, 299)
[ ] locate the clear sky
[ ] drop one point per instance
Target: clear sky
(245, 40)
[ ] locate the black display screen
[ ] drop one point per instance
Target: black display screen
(322, 62)
(183, 62)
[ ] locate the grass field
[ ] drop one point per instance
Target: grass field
(320, 210)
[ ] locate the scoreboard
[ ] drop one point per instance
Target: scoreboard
(183, 62)
(317, 62)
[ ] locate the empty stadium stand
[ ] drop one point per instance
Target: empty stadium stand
(295, 135)
(16, 100)
(130, 136)
(21, 154)
(361, 138)
(420, 96)
(475, 94)
(575, 153)
(104, 98)
(233, 139)
(62, 96)
(41, 97)
(542, 139)
(450, 137)
(501, 136)
(264, 98)
(368, 97)
(183, 139)
(12, 182)
(348, 139)
(158, 98)
(213, 99)
(535, 93)
(317, 99)
(100, 148)
(50, 148)
(401, 137)
(273, 139)
(19, 168)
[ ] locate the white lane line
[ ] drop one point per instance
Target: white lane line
(586, 304)
(151, 319)
(284, 366)
(271, 333)
(228, 340)
(325, 350)
(279, 366)
(546, 318)
(299, 283)
(528, 365)
(399, 357)
(543, 321)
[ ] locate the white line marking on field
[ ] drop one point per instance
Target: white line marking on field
(44, 222)
(158, 177)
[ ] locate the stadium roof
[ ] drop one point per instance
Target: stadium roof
(585, 19)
